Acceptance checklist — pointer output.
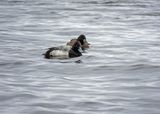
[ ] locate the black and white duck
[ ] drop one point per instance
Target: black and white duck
(63, 53)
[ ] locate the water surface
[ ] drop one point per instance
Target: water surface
(118, 74)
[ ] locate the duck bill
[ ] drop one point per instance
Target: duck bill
(86, 45)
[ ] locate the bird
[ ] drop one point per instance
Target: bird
(62, 53)
(82, 39)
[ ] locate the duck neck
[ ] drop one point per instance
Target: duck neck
(74, 53)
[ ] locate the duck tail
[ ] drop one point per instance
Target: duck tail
(47, 54)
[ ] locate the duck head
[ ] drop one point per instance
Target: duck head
(83, 41)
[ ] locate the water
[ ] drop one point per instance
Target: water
(119, 74)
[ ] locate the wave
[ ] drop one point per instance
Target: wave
(132, 67)
(143, 66)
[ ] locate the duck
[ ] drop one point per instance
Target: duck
(82, 39)
(83, 44)
(62, 53)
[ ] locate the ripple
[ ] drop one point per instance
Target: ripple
(12, 97)
(143, 66)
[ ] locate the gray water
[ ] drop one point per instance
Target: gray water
(119, 74)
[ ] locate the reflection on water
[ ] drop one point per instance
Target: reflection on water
(118, 74)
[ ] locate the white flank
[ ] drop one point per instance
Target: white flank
(59, 54)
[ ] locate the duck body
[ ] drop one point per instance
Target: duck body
(63, 52)
(65, 47)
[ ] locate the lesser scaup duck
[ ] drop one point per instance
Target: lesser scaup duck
(82, 40)
(58, 52)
